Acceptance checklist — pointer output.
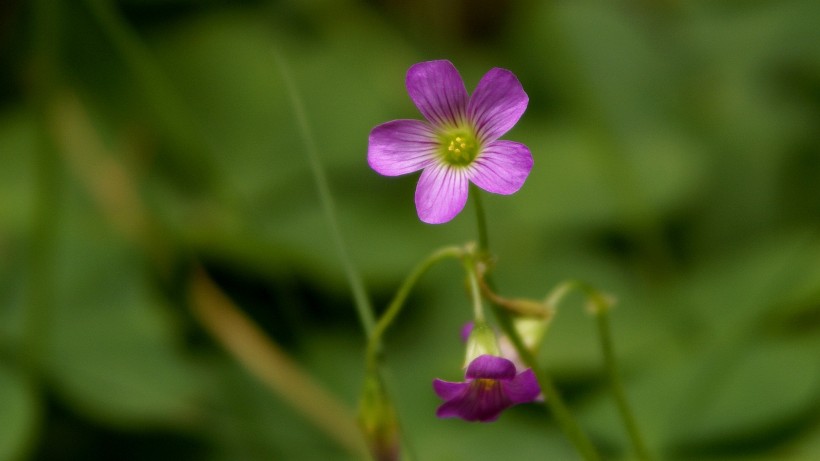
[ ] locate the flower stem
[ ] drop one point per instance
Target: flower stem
(373, 429)
(481, 219)
(396, 305)
(475, 292)
(556, 404)
(610, 362)
(553, 398)
(599, 305)
(363, 307)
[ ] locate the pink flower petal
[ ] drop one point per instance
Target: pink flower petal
(490, 367)
(498, 102)
(479, 402)
(438, 91)
(441, 193)
(523, 388)
(502, 167)
(401, 147)
(448, 390)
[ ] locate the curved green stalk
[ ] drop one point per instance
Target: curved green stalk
(377, 416)
(396, 305)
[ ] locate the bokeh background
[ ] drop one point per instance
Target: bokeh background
(158, 211)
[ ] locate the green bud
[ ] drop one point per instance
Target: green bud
(531, 330)
(377, 419)
(482, 341)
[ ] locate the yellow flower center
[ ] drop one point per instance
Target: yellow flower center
(458, 147)
(485, 385)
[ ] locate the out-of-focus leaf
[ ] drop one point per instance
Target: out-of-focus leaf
(113, 354)
(740, 286)
(269, 192)
(19, 414)
(247, 422)
(628, 159)
(18, 141)
(769, 384)
(575, 183)
(807, 448)
(729, 378)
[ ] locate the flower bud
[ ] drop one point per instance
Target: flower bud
(377, 419)
(482, 341)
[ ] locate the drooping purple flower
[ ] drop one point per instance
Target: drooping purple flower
(458, 143)
(492, 385)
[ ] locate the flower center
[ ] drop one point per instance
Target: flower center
(485, 384)
(458, 147)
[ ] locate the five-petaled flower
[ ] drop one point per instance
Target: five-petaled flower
(458, 143)
(492, 385)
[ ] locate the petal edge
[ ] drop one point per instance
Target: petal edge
(502, 167)
(523, 388)
(497, 103)
(438, 91)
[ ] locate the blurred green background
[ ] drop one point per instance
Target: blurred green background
(149, 148)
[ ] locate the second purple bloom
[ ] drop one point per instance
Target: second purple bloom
(492, 385)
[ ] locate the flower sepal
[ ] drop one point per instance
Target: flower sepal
(481, 341)
(378, 421)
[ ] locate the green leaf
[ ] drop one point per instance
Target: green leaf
(19, 414)
(770, 384)
(113, 352)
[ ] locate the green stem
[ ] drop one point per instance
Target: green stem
(363, 307)
(481, 219)
(599, 306)
(554, 401)
(556, 404)
(396, 305)
(475, 292)
(610, 362)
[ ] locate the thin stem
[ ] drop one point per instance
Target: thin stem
(481, 220)
(475, 292)
(559, 409)
(610, 362)
(599, 306)
(397, 303)
(377, 415)
(363, 307)
(554, 401)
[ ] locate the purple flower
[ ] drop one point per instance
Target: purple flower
(458, 143)
(492, 385)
